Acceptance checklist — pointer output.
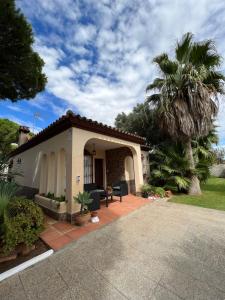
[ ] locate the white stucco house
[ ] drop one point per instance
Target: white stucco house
(74, 151)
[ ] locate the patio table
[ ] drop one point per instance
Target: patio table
(105, 194)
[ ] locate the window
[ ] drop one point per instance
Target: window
(88, 169)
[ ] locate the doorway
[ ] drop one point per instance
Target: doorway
(99, 172)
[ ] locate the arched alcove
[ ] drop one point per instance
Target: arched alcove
(52, 173)
(61, 173)
(43, 174)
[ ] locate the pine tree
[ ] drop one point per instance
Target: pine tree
(21, 74)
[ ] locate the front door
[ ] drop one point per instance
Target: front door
(99, 171)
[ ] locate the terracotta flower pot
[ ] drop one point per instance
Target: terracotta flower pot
(168, 194)
(81, 220)
(94, 214)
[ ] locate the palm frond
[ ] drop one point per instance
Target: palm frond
(157, 84)
(157, 173)
(168, 169)
(204, 53)
(154, 98)
(158, 59)
(181, 182)
(183, 48)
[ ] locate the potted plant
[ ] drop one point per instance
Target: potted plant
(84, 200)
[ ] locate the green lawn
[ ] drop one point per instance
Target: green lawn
(213, 195)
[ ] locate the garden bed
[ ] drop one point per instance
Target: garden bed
(40, 247)
(51, 207)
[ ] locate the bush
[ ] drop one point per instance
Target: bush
(23, 223)
(146, 189)
(158, 191)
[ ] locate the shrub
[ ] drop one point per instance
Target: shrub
(50, 195)
(146, 189)
(23, 223)
(158, 191)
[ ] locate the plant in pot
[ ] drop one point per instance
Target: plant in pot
(84, 199)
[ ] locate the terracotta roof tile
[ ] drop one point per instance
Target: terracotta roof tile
(73, 120)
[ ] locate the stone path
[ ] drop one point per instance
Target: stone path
(160, 251)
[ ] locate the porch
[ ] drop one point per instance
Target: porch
(58, 234)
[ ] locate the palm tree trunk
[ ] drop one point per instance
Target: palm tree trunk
(194, 188)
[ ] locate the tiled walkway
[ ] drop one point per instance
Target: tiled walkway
(58, 234)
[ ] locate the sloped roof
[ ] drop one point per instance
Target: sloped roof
(73, 120)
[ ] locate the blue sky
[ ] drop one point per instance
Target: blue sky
(98, 54)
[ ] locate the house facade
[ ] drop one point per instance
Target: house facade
(74, 151)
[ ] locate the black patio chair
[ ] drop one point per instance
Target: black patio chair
(120, 189)
(95, 204)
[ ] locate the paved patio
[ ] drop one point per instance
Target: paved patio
(160, 251)
(59, 234)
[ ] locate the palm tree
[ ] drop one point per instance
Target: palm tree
(187, 95)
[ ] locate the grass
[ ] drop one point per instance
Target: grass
(213, 195)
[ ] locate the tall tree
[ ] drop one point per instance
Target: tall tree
(140, 121)
(186, 98)
(21, 74)
(8, 135)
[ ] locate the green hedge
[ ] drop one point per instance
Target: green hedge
(23, 222)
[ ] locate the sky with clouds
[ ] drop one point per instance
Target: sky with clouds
(98, 54)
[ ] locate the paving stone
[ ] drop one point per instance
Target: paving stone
(161, 293)
(131, 282)
(160, 251)
(53, 286)
(188, 287)
(12, 289)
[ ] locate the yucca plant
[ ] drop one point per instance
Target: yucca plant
(7, 192)
(83, 199)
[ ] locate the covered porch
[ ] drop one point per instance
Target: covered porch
(104, 162)
(107, 164)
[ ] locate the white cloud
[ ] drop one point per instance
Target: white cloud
(102, 66)
(84, 34)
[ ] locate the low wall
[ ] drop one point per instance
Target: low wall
(218, 170)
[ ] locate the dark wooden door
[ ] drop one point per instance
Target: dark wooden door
(99, 171)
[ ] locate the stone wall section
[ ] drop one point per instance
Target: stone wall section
(218, 170)
(115, 166)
